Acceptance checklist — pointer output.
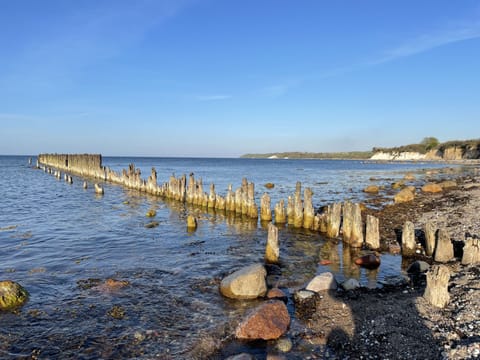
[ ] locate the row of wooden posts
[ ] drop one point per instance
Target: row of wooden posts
(298, 212)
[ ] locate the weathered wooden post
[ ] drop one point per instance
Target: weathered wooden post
(430, 231)
(298, 206)
(372, 237)
(212, 198)
(272, 250)
(290, 210)
(471, 252)
(252, 209)
(308, 211)
(436, 292)
(280, 214)
(191, 189)
(230, 199)
(347, 221)
(85, 185)
(444, 247)
(99, 189)
(356, 238)
(333, 220)
(244, 193)
(191, 222)
(265, 210)
(408, 239)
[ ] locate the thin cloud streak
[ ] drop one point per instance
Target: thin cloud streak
(430, 41)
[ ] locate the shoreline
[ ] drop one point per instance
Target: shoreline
(396, 321)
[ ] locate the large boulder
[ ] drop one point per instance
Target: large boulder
(246, 283)
(267, 322)
(325, 281)
(12, 295)
(404, 195)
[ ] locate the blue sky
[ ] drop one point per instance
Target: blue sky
(227, 77)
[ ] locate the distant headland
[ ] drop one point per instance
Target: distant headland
(428, 149)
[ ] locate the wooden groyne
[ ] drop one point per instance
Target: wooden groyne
(299, 212)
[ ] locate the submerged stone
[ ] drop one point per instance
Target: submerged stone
(12, 295)
(246, 283)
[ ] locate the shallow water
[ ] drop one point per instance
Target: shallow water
(61, 242)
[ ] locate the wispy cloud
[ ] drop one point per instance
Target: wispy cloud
(83, 36)
(429, 41)
(215, 97)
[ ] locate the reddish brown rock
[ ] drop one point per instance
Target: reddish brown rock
(369, 261)
(267, 322)
(276, 293)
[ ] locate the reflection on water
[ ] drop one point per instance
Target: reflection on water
(61, 242)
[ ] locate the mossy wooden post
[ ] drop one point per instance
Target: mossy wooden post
(333, 221)
(298, 206)
(230, 199)
(408, 239)
(436, 292)
(265, 209)
(252, 211)
(272, 250)
(290, 210)
(280, 214)
(356, 238)
(347, 221)
(191, 222)
(372, 233)
(430, 231)
(212, 198)
(444, 246)
(308, 211)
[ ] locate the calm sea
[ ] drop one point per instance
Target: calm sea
(60, 242)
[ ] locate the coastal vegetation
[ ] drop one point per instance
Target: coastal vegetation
(468, 148)
(357, 155)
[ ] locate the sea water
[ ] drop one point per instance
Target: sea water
(61, 242)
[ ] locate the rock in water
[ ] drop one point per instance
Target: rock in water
(404, 195)
(371, 189)
(325, 281)
(350, 284)
(246, 283)
(432, 188)
(369, 261)
(12, 295)
(267, 322)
